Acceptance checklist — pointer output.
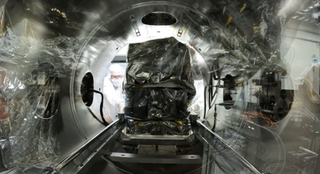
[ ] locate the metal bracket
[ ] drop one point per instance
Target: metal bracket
(135, 27)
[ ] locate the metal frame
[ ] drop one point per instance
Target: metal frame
(82, 156)
(213, 153)
(188, 141)
(218, 146)
(155, 159)
(156, 137)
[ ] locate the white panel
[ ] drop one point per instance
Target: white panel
(288, 84)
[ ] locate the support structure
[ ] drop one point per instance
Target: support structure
(204, 152)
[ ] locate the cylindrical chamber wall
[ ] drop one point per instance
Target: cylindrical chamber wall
(107, 26)
(101, 47)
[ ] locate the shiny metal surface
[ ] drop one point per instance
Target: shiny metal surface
(101, 28)
(195, 158)
(83, 155)
(96, 62)
(222, 149)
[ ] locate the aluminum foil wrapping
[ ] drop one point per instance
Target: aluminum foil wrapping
(159, 86)
(160, 61)
(156, 103)
(240, 35)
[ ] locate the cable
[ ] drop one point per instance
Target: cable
(101, 107)
(214, 96)
(211, 96)
(210, 89)
(205, 103)
(95, 116)
(217, 78)
(215, 118)
(210, 92)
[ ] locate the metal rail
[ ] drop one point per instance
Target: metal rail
(221, 154)
(155, 159)
(222, 149)
(83, 155)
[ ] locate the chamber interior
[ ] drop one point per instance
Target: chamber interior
(48, 47)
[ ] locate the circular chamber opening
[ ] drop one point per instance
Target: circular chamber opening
(86, 89)
(159, 18)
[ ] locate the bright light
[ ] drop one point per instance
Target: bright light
(288, 6)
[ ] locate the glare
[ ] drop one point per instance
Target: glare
(21, 86)
(315, 15)
(11, 86)
(288, 6)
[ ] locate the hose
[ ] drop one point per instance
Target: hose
(101, 107)
(95, 116)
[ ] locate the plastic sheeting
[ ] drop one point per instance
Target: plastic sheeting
(30, 98)
(30, 129)
(245, 35)
(156, 103)
(242, 34)
(161, 105)
(158, 62)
